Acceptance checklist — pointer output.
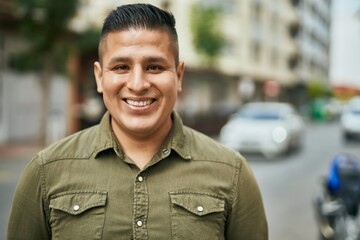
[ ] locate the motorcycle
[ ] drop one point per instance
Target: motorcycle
(337, 204)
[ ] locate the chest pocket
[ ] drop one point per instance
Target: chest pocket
(197, 215)
(77, 214)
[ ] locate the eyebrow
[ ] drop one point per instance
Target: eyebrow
(157, 59)
(119, 59)
(147, 59)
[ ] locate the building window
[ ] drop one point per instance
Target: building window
(275, 30)
(256, 51)
(229, 48)
(256, 10)
(274, 57)
(256, 21)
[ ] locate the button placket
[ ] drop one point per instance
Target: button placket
(141, 205)
(139, 223)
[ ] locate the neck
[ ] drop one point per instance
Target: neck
(141, 149)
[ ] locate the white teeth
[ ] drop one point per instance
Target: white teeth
(139, 103)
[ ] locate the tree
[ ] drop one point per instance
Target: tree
(207, 37)
(44, 23)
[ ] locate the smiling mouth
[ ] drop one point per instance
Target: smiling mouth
(144, 103)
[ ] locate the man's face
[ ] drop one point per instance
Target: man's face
(139, 81)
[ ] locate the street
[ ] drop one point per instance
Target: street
(288, 184)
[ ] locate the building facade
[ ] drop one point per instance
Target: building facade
(314, 40)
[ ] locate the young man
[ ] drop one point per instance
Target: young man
(139, 174)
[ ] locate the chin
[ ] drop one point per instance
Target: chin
(140, 125)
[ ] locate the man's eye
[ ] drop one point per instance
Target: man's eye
(121, 68)
(154, 68)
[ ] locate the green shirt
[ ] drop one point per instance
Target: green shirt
(85, 187)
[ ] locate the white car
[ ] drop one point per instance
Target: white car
(269, 128)
(350, 119)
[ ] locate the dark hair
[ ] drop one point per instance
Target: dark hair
(141, 16)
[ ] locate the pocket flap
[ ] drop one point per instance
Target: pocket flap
(198, 203)
(76, 202)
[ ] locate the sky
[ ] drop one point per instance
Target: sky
(345, 46)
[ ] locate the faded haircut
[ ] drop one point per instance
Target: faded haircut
(141, 16)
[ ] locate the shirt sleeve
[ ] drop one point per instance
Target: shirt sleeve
(27, 215)
(247, 220)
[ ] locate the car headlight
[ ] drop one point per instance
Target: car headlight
(279, 134)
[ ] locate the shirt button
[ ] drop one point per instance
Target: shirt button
(200, 208)
(140, 178)
(76, 207)
(165, 151)
(139, 223)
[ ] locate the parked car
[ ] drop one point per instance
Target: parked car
(269, 128)
(350, 119)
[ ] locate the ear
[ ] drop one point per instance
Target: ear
(98, 76)
(180, 75)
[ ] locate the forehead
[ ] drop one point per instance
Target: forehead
(135, 40)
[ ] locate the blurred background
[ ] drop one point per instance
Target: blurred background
(305, 53)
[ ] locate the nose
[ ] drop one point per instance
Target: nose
(137, 81)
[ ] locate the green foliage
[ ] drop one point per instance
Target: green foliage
(87, 41)
(317, 89)
(44, 22)
(207, 37)
(25, 61)
(33, 61)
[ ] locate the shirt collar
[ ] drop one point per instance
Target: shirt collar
(176, 140)
(105, 137)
